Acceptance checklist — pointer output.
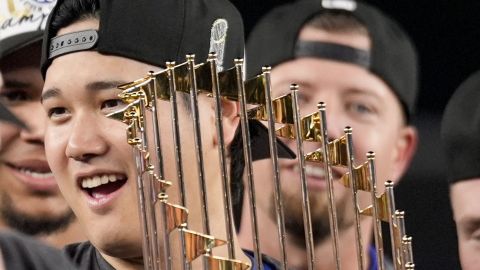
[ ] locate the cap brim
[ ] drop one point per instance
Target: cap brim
(14, 43)
(7, 116)
(260, 143)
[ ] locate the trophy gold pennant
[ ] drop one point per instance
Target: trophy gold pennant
(256, 104)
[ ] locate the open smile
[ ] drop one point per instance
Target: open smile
(35, 175)
(316, 176)
(101, 189)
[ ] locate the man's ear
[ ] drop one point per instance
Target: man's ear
(230, 120)
(406, 147)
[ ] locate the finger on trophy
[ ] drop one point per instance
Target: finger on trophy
(247, 152)
(354, 189)
(377, 222)
(326, 159)
(272, 110)
(301, 163)
(216, 94)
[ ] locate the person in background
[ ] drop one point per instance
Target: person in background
(363, 65)
(30, 200)
(459, 133)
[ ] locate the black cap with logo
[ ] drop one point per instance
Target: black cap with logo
(461, 131)
(155, 32)
(22, 23)
(392, 56)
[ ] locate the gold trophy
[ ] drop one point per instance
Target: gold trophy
(160, 216)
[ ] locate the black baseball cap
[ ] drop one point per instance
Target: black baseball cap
(460, 131)
(392, 56)
(22, 24)
(154, 32)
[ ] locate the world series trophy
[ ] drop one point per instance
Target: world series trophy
(160, 216)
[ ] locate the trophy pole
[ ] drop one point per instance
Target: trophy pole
(332, 209)
(307, 219)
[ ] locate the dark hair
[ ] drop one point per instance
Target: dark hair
(237, 167)
(337, 21)
(70, 11)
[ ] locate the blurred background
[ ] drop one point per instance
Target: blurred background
(447, 36)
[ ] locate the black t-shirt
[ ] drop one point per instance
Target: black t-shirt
(21, 252)
(86, 257)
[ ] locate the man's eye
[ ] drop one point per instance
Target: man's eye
(112, 104)
(56, 112)
(359, 108)
(13, 96)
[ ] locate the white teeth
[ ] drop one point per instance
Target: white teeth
(36, 174)
(104, 179)
(314, 171)
(93, 182)
(97, 181)
(310, 170)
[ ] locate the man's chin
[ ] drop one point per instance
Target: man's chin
(36, 223)
(319, 216)
(130, 250)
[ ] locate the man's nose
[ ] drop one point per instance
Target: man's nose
(86, 139)
(35, 121)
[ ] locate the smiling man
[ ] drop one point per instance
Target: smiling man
(460, 129)
(90, 48)
(30, 200)
(18, 251)
(363, 66)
